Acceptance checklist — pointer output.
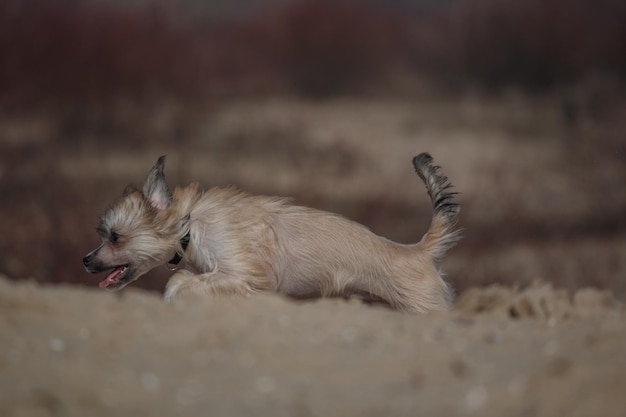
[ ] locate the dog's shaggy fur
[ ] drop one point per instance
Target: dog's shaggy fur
(236, 243)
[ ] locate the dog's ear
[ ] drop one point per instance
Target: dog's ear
(155, 189)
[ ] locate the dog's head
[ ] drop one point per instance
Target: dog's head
(139, 232)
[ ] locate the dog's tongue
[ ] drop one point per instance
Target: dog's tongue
(113, 278)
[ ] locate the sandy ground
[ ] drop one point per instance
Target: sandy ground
(69, 351)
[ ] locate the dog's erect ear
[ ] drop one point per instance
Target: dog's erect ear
(155, 189)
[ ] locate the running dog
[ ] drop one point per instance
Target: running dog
(235, 243)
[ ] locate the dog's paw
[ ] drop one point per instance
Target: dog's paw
(180, 281)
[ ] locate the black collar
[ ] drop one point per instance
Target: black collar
(184, 242)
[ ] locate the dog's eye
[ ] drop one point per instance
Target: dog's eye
(114, 237)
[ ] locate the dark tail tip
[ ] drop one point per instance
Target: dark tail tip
(437, 185)
(442, 234)
(421, 163)
(422, 160)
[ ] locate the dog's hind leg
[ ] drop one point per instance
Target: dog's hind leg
(186, 282)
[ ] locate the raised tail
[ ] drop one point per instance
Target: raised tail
(442, 234)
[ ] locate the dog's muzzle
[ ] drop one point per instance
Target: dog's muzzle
(92, 265)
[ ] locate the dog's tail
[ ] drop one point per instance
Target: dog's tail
(442, 234)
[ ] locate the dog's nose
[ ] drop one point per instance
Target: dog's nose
(87, 260)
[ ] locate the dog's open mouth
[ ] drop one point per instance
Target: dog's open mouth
(115, 278)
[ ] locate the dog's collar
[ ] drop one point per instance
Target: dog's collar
(184, 242)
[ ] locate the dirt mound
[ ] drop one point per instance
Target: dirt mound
(84, 352)
(540, 301)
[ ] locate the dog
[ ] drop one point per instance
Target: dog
(236, 243)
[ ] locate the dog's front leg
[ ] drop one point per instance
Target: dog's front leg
(214, 283)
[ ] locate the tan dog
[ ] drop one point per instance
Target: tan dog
(236, 243)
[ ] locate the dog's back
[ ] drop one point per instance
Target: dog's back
(308, 253)
(329, 255)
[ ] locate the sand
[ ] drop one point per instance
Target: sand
(76, 351)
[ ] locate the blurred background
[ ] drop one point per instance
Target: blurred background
(523, 103)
